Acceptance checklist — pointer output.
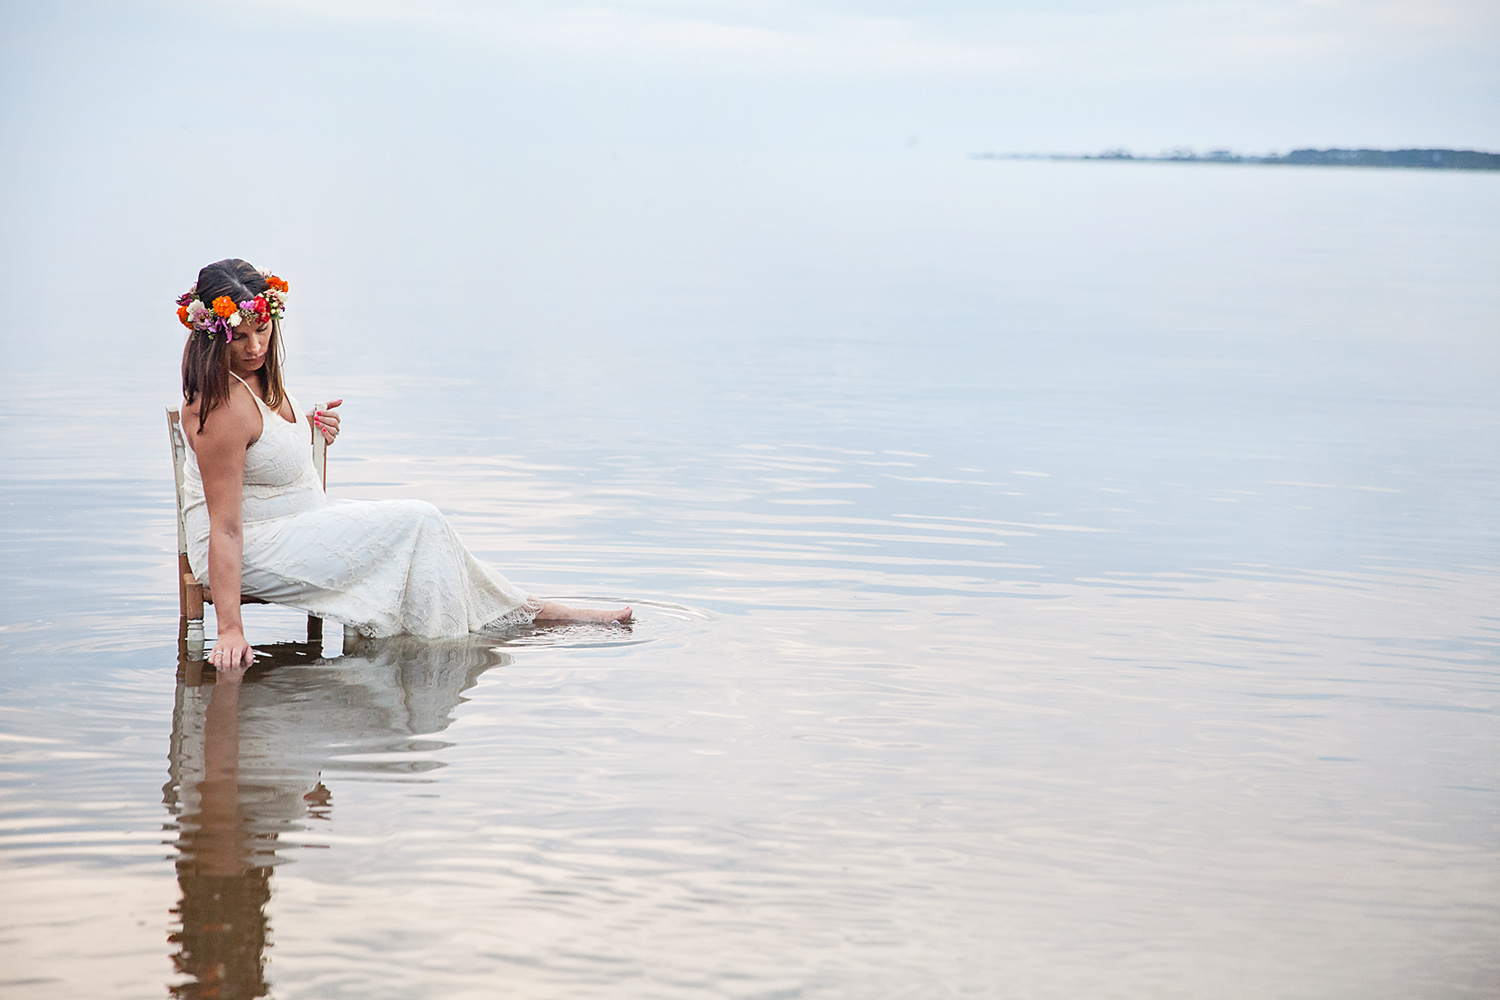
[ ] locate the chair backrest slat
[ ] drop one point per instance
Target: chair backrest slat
(179, 458)
(320, 457)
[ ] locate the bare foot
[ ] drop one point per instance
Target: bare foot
(554, 612)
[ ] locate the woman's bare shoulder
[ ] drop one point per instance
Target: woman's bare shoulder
(235, 423)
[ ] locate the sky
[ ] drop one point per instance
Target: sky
(152, 135)
(958, 75)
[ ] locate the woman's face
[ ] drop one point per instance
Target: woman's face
(247, 351)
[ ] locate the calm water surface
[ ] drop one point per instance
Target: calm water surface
(1055, 580)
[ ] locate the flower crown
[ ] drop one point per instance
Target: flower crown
(225, 314)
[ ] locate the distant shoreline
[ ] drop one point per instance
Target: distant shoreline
(1403, 159)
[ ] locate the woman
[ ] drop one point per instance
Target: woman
(258, 522)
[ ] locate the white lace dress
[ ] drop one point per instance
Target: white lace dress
(386, 567)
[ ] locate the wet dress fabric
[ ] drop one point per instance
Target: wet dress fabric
(386, 567)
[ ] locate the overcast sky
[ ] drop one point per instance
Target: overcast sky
(955, 75)
(153, 133)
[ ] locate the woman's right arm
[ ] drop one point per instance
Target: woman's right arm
(220, 450)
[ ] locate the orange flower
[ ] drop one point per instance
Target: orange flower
(182, 317)
(224, 306)
(276, 283)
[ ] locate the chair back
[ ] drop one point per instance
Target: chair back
(179, 465)
(320, 457)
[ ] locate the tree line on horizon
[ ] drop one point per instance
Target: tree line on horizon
(1428, 159)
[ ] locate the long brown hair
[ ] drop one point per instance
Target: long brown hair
(205, 361)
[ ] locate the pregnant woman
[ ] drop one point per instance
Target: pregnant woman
(258, 522)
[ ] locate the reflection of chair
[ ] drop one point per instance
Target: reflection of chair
(191, 594)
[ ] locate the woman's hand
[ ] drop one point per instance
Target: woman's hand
(326, 421)
(231, 655)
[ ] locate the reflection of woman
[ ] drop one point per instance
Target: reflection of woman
(246, 765)
(258, 522)
(222, 941)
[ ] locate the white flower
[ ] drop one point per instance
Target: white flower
(234, 319)
(195, 307)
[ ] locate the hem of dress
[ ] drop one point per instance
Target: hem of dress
(524, 614)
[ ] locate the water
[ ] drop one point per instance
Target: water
(1054, 580)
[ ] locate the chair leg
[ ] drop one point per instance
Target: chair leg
(184, 580)
(189, 651)
(190, 597)
(194, 610)
(194, 637)
(314, 629)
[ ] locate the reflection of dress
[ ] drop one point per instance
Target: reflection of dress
(384, 567)
(300, 720)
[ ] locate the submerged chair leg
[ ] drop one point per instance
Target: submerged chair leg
(189, 659)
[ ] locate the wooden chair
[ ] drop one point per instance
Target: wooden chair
(191, 594)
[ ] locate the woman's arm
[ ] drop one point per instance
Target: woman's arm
(220, 449)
